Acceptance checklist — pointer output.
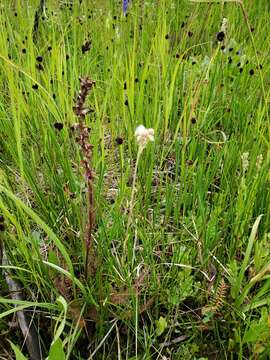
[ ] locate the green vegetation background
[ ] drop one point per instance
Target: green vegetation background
(193, 282)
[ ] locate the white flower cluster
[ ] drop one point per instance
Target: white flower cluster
(144, 135)
(224, 25)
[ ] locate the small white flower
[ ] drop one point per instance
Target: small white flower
(224, 26)
(143, 135)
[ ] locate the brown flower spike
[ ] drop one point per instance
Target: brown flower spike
(82, 138)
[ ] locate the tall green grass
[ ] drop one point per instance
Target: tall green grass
(199, 217)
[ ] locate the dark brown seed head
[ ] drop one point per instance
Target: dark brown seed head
(86, 46)
(119, 140)
(220, 36)
(58, 126)
(40, 67)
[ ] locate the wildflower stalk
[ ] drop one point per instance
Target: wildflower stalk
(143, 136)
(82, 132)
(132, 198)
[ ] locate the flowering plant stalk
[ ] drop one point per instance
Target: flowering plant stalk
(82, 135)
(143, 136)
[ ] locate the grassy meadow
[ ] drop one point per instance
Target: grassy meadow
(114, 250)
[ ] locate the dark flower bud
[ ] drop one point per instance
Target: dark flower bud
(86, 46)
(220, 36)
(58, 126)
(119, 140)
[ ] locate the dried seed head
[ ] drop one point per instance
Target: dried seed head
(119, 140)
(86, 46)
(220, 36)
(58, 126)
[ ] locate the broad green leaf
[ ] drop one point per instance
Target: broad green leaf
(56, 351)
(62, 325)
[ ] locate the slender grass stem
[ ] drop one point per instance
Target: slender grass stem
(132, 201)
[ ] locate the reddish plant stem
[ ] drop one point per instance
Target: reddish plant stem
(90, 224)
